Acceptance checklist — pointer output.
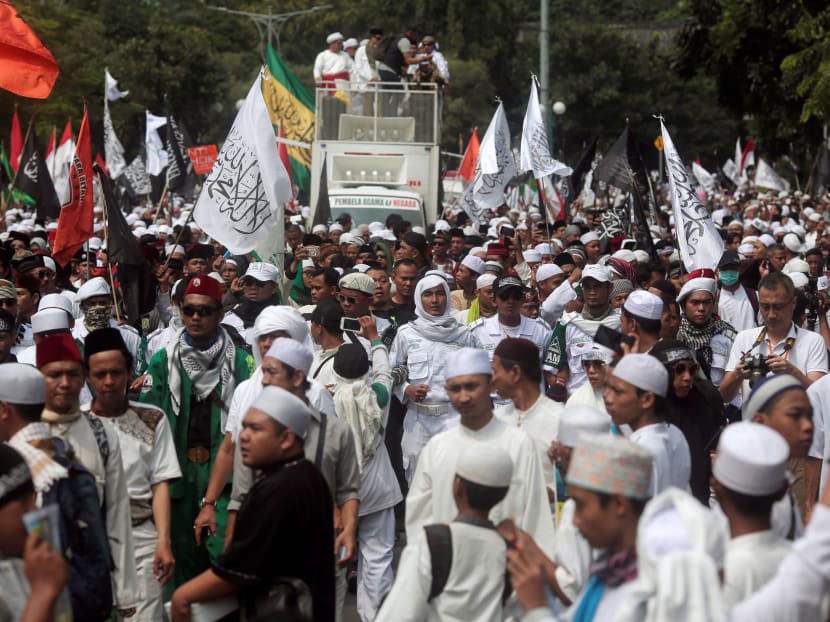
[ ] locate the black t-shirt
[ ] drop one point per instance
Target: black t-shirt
(402, 313)
(284, 529)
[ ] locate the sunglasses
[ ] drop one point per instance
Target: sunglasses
(512, 294)
(593, 363)
(682, 368)
(350, 299)
(253, 283)
(42, 274)
(8, 302)
(200, 310)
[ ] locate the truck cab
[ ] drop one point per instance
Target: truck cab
(376, 151)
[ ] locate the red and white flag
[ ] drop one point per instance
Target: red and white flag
(59, 161)
(16, 146)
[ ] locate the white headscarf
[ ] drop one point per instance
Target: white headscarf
(680, 548)
(279, 317)
(442, 327)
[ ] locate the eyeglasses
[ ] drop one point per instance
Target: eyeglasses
(777, 307)
(512, 294)
(253, 283)
(593, 363)
(8, 302)
(685, 368)
(200, 310)
(42, 274)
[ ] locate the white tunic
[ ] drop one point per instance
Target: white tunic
(430, 497)
(130, 335)
(572, 554)
(819, 394)
(474, 586)
(490, 332)
(735, 308)
(586, 395)
(751, 560)
(541, 422)
(329, 63)
(672, 460)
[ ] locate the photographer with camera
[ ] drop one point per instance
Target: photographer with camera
(777, 347)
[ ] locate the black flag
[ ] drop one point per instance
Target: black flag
(572, 186)
(820, 175)
(322, 214)
(180, 176)
(33, 179)
(122, 245)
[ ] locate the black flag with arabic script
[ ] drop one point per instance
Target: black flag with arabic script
(181, 178)
(572, 185)
(33, 178)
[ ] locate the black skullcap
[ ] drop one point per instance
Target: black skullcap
(416, 240)
(28, 263)
(665, 287)
(351, 361)
(312, 239)
(200, 251)
(365, 248)
(376, 32)
(328, 314)
(103, 340)
(15, 477)
(516, 349)
(564, 259)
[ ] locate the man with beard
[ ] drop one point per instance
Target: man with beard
(709, 338)
(192, 380)
(260, 285)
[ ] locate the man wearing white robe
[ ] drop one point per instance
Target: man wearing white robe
(430, 499)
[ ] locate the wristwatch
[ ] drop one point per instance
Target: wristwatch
(205, 501)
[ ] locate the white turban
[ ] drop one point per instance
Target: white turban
(279, 317)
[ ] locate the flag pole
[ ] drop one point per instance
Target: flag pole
(178, 237)
(106, 244)
(5, 201)
(161, 200)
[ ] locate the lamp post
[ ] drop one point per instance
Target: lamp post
(559, 109)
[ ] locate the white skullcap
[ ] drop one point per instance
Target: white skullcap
(335, 226)
(544, 248)
(546, 271)
(467, 361)
(799, 279)
(767, 240)
(49, 319)
(442, 225)
(701, 284)
(597, 272)
(21, 384)
(55, 301)
(815, 217)
(644, 371)
(626, 255)
(796, 264)
(361, 267)
(292, 353)
(641, 256)
(281, 317)
(335, 36)
(49, 263)
(40, 242)
(532, 255)
(589, 237)
(485, 280)
(351, 42)
(574, 421)
(308, 263)
(751, 459)
(263, 272)
(643, 304)
(476, 264)
(319, 229)
(284, 408)
(760, 225)
(746, 249)
(377, 226)
(487, 465)
(96, 286)
(216, 277)
(359, 282)
(792, 242)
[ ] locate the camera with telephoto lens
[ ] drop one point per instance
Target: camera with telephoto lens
(757, 364)
(813, 303)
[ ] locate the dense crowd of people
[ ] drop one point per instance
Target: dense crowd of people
(556, 423)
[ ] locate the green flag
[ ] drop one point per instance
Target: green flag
(291, 105)
(6, 176)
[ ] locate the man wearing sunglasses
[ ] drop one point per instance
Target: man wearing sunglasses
(260, 287)
(193, 380)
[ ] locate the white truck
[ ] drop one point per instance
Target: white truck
(378, 145)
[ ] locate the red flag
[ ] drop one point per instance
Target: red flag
(27, 68)
(67, 132)
(283, 150)
(16, 141)
(202, 157)
(100, 162)
(75, 222)
(51, 146)
(747, 156)
(468, 165)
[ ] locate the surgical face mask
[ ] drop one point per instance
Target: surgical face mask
(98, 317)
(728, 277)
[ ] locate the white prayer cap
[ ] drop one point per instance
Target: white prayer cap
(166, 229)
(752, 459)
(440, 225)
(376, 226)
(335, 36)
(799, 230)
(358, 282)
(335, 226)
(319, 229)
(415, 229)
(280, 318)
(467, 361)
(574, 421)
(39, 242)
(625, 255)
(799, 279)
(792, 242)
(178, 249)
(544, 248)
(55, 301)
(131, 219)
(21, 384)
(589, 237)
(644, 371)
(815, 217)
(532, 255)
(471, 231)
(546, 271)
(476, 264)
(796, 264)
(216, 277)
(284, 408)
(364, 267)
(96, 286)
(95, 243)
(767, 390)
(351, 42)
(308, 263)
(49, 319)
(750, 238)
(767, 240)
(643, 304)
(292, 353)
(597, 272)
(746, 249)
(700, 284)
(641, 257)
(138, 232)
(760, 225)
(263, 272)
(487, 465)
(611, 464)
(484, 280)
(49, 263)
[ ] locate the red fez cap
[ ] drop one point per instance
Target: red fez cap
(702, 273)
(55, 348)
(498, 250)
(206, 286)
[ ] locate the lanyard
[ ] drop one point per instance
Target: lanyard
(788, 344)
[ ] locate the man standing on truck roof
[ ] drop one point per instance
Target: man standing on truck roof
(332, 64)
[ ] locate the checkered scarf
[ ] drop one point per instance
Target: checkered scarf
(45, 471)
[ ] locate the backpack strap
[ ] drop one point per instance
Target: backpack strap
(753, 298)
(321, 442)
(439, 541)
(100, 436)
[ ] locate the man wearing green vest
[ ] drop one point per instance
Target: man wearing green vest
(192, 380)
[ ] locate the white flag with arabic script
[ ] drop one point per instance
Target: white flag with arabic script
(535, 155)
(247, 184)
(700, 243)
(766, 177)
(113, 150)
